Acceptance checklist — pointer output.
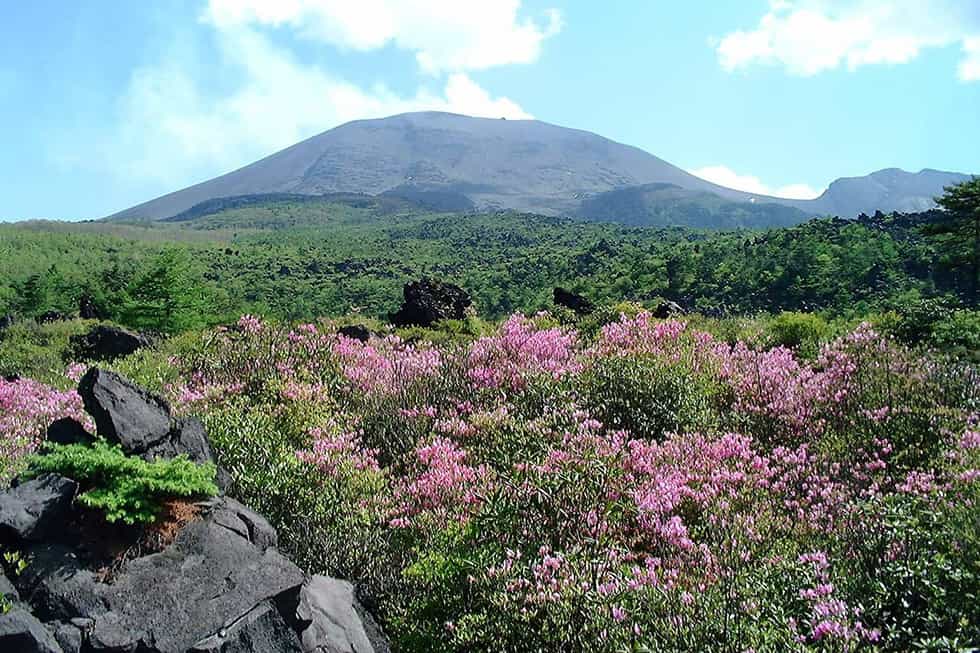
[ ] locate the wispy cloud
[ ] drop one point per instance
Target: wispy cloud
(174, 128)
(811, 36)
(445, 35)
(725, 176)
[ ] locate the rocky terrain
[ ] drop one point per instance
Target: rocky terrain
(212, 580)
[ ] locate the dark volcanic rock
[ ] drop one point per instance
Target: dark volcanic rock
(7, 588)
(261, 630)
(68, 636)
(581, 305)
(427, 301)
(68, 431)
(87, 310)
(6, 321)
(355, 331)
(20, 632)
(124, 413)
(32, 509)
(105, 342)
(668, 309)
(330, 608)
(52, 316)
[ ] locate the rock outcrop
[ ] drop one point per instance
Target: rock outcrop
(355, 332)
(667, 309)
(428, 300)
(106, 343)
(578, 303)
(218, 585)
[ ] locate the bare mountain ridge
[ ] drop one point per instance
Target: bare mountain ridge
(525, 165)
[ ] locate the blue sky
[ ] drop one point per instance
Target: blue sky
(106, 104)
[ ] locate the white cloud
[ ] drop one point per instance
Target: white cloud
(810, 36)
(725, 176)
(174, 128)
(445, 35)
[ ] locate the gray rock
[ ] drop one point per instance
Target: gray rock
(328, 606)
(68, 636)
(578, 303)
(668, 309)
(243, 520)
(32, 509)
(7, 588)
(20, 632)
(261, 630)
(209, 577)
(57, 584)
(356, 332)
(68, 431)
(106, 343)
(429, 300)
(114, 633)
(124, 413)
(188, 438)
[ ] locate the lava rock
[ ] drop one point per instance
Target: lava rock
(667, 309)
(32, 509)
(58, 585)
(356, 332)
(68, 636)
(243, 520)
(190, 438)
(51, 316)
(87, 310)
(335, 625)
(106, 343)
(6, 321)
(261, 630)
(7, 588)
(21, 632)
(578, 303)
(124, 413)
(428, 300)
(68, 431)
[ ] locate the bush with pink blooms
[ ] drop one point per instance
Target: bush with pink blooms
(27, 408)
(642, 487)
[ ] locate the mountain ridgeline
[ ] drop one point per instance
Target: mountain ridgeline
(448, 162)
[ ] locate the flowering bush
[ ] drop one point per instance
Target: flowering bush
(651, 487)
(27, 408)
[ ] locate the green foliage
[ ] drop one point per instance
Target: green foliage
(958, 236)
(125, 488)
(164, 297)
(38, 351)
(299, 260)
(803, 332)
(646, 395)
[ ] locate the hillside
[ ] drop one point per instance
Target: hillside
(456, 162)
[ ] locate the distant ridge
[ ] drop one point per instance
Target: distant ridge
(462, 163)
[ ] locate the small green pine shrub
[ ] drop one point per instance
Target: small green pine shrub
(39, 351)
(125, 488)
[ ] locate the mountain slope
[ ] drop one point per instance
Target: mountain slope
(526, 165)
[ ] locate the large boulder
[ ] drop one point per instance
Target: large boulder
(105, 343)
(578, 303)
(141, 423)
(52, 316)
(68, 430)
(124, 413)
(21, 632)
(334, 617)
(666, 309)
(220, 586)
(87, 310)
(33, 509)
(428, 300)
(355, 332)
(6, 321)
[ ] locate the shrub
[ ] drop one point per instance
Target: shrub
(125, 488)
(800, 331)
(647, 395)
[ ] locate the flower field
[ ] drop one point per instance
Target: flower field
(647, 487)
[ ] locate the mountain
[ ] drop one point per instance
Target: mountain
(526, 165)
(886, 190)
